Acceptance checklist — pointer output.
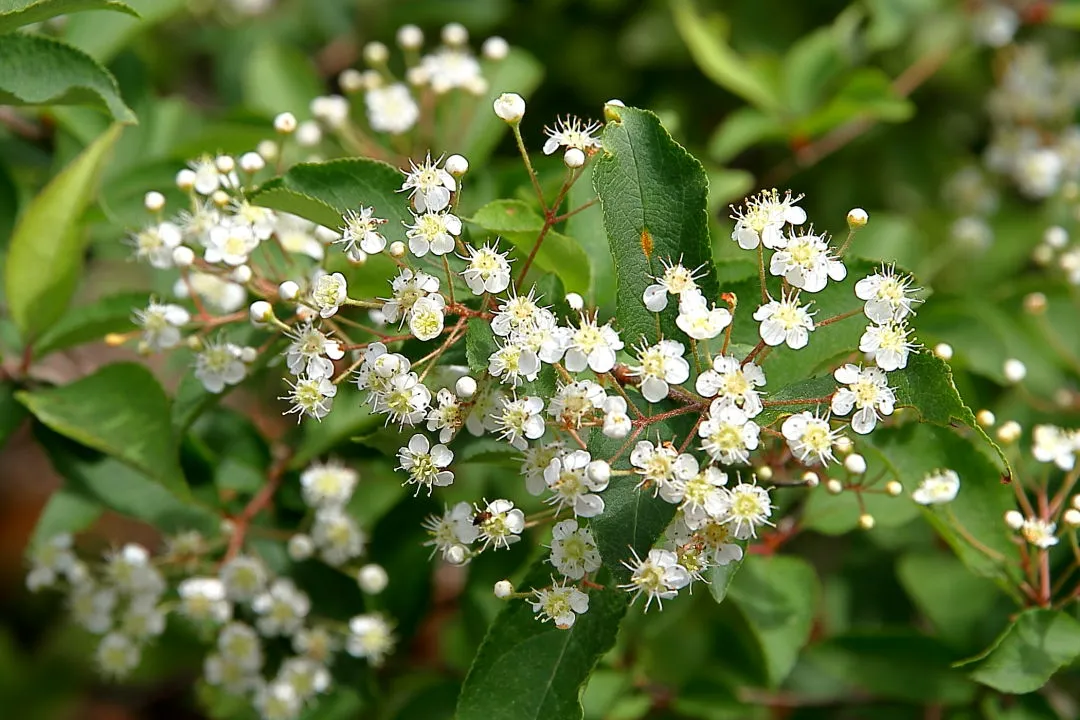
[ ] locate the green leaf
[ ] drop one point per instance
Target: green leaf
(810, 65)
(66, 512)
(1029, 652)
(350, 418)
(587, 227)
(654, 195)
(16, 13)
(479, 345)
(87, 323)
(46, 250)
(934, 581)
(517, 222)
(528, 670)
(280, 78)
(740, 129)
(720, 576)
(706, 38)
(36, 70)
(867, 94)
(103, 35)
(120, 410)
(12, 413)
(778, 596)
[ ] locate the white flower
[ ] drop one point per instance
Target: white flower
(659, 576)
(520, 420)
(571, 485)
(161, 325)
(277, 700)
(361, 234)
(447, 416)
(697, 320)
(311, 352)
(482, 417)
(370, 638)
(282, 608)
(230, 244)
(426, 317)
(1053, 444)
(406, 400)
(48, 560)
(887, 295)
(243, 578)
(408, 287)
(434, 232)
(219, 364)
(302, 237)
(1039, 533)
(785, 321)
(391, 109)
(454, 528)
(451, 67)
(207, 178)
(733, 383)
(262, 221)
(429, 186)
(337, 536)
(810, 438)
(573, 550)
(117, 655)
(572, 132)
(218, 294)
(203, 599)
(748, 507)
(662, 468)
(888, 344)
(310, 397)
(675, 280)
(500, 523)
(806, 264)
(659, 366)
(938, 487)
(488, 270)
(144, 618)
(560, 604)
(868, 391)
(92, 606)
(702, 497)
(762, 218)
(509, 107)
(305, 676)
(517, 314)
(513, 363)
(617, 423)
(240, 644)
(329, 293)
(534, 462)
(717, 537)
(327, 484)
(543, 336)
(425, 464)
(728, 434)
(230, 674)
(575, 401)
(155, 244)
(593, 346)
(130, 571)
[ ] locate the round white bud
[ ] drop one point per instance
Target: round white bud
(1076, 501)
(260, 312)
(985, 418)
(301, 547)
(1056, 237)
(1072, 517)
(1014, 519)
(575, 301)
(285, 123)
(375, 53)
(894, 488)
(615, 102)
(242, 274)
(185, 179)
(154, 201)
(504, 589)
(309, 134)
(417, 76)
(252, 162)
(866, 521)
(455, 554)
(809, 478)
(372, 578)
(397, 249)
(410, 37)
(573, 158)
(457, 165)
(225, 164)
(227, 526)
(268, 149)
(465, 387)
(455, 34)
(1015, 370)
(834, 486)
(855, 464)
(220, 198)
(510, 107)
(351, 80)
(763, 472)
(1035, 303)
(857, 218)
(1042, 254)
(248, 354)
(598, 471)
(943, 351)
(288, 290)
(183, 256)
(843, 445)
(1009, 432)
(495, 48)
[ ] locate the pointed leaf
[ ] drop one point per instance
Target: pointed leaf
(16, 13)
(1029, 652)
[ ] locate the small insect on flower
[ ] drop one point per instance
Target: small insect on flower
(785, 321)
(425, 464)
(560, 604)
(572, 132)
(429, 186)
(675, 280)
(888, 344)
(361, 235)
(433, 232)
(761, 219)
(867, 392)
(573, 550)
(500, 523)
(887, 295)
(937, 488)
(659, 366)
(370, 638)
(733, 383)
(658, 577)
(810, 438)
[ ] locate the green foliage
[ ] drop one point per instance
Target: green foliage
(278, 78)
(88, 322)
(16, 13)
(1030, 650)
(12, 413)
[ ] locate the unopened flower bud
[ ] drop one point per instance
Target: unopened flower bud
(1042, 255)
(855, 464)
(220, 198)
(225, 164)
(894, 488)
(834, 486)
(260, 312)
(1072, 517)
(1015, 370)
(1076, 501)
(495, 48)
(943, 351)
(1035, 303)
(465, 387)
(308, 134)
(598, 471)
(575, 301)
(242, 274)
(301, 547)
(574, 158)
(375, 53)
(857, 218)
(455, 555)
(985, 418)
(154, 201)
(410, 37)
(611, 109)
(267, 149)
(1056, 237)
(248, 354)
(351, 80)
(372, 578)
(763, 472)
(252, 162)
(185, 179)
(285, 123)
(183, 256)
(397, 249)
(457, 165)
(503, 589)
(510, 107)
(288, 290)
(1014, 519)
(843, 445)
(194, 342)
(455, 34)
(866, 521)
(809, 478)
(1009, 432)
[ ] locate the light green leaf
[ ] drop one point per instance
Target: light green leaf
(868, 93)
(810, 65)
(706, 38)
(46, 250)
(587, 227)
(36, 70)
(16, 13)
(528, 670)
(517, 222)
(65, 512)
(90, 322)
(103, 35)
(778, 596)
(280, 78)
(654, 195)
(1029, 652)
(740, 129)
(120, 410)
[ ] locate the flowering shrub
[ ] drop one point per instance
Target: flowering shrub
(559, 396)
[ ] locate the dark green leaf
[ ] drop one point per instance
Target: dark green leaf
(12, 413)
(1029, 652)
(120, 410)
(934, 581)
(479, 345)
(90, 322)
(16, 13)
